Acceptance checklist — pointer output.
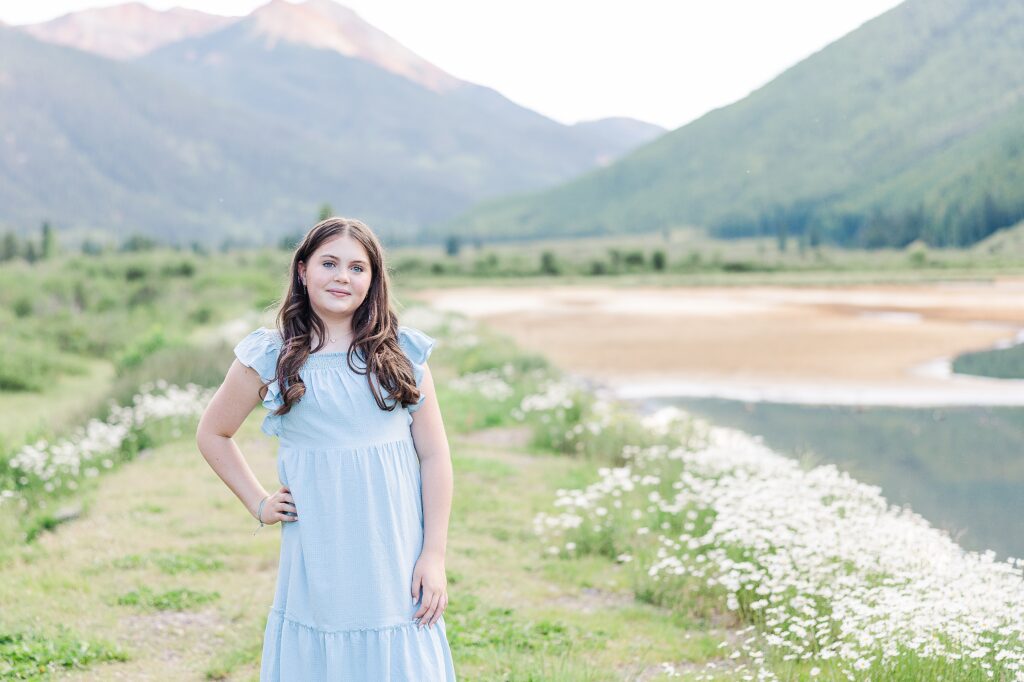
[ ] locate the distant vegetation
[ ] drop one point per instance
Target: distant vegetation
(59, 310)
(692, 256)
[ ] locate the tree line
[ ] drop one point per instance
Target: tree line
(811, 223)
(12, 246)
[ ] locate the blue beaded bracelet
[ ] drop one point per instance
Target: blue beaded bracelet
(259, 514)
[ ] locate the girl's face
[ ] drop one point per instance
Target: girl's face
(337, 277)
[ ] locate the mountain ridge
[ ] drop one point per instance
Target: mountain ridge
(907, 127)
(125, 31)
(327, 25)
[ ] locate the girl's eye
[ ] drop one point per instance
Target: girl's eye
(358, 266)
(328, 263)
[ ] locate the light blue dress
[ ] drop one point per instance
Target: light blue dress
(343, 606)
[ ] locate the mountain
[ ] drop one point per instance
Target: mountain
(244, 131)
(125, 31)
(481, 143)
(911, 126)
(326, 25)
(133, 29)
(619, 133)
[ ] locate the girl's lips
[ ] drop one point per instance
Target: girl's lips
(338, 293)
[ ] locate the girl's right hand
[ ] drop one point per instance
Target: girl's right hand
(279, 507)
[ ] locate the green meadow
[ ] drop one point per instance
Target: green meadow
(149, 568)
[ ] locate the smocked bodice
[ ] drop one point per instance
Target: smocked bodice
(338, 409)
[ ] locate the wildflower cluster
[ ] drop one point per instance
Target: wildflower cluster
(570, 415)
(493, 383)
(55, 467)
(833, 582)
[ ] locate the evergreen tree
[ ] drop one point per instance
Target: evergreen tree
(452, 245)
(814, 237)
(9, 248)
(49, 241)
(138, 242)
(325, 212)
(615, 256)
(548, 264)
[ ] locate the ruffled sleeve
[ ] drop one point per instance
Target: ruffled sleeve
(417, 346)
(259, 350)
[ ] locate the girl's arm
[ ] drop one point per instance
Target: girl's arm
(226, 412)
(429, 582)
(435, 468)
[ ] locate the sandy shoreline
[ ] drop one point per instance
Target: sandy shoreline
(868, 345)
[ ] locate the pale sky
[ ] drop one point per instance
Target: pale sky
(663, 61)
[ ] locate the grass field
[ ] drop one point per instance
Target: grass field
(164, 565)
(153, 573)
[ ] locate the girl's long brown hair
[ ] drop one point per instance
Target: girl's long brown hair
(374, 324)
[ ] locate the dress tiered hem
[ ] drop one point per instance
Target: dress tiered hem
(294, 651)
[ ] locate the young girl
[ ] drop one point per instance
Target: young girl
(361, 586)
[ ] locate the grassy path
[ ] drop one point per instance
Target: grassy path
(165, 530)
(59, 406)
(163, 522)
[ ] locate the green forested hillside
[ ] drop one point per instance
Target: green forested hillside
(910, 127)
